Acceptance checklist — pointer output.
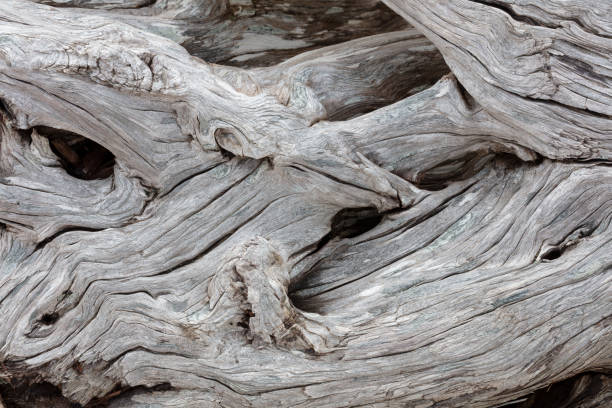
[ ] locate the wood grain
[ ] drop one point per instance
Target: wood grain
(413, 217)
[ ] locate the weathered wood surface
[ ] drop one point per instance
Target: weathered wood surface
(542, 67)
(246, 32)
(353, 226)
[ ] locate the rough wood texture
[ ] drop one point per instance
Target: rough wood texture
(542, 67)
(246, 32)
(372, 223)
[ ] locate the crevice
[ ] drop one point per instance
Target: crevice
(227, 142)
(373, 87)
(308, 279)
(120, 391)
(145, 4)
(79, 156)
(571, 392)
(442, 175)
(63, 231)
(439, 177)
(537, 22)
(552, 253)
(325, 173)
(352, 222)
(28, 395)
(286, 29)
(468, 99)
(97, 5)
(4, 107)
(191, 177)
(346, 223)
(573, 238)
(518, 17)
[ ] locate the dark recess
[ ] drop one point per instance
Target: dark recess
(80, 157)
(357, 19)
(47, 395)
(568, 393)
(351, 222)
(442, 175)
(347, 223)
(49, 318)
(34, 395)
(552, 254)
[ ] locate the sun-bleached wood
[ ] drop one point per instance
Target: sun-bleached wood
(371, 223)
(246, 32)
(542, 67)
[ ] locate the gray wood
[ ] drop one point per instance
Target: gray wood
(246, 32)
(401, 219)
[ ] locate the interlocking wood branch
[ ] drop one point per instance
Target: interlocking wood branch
(347, 210)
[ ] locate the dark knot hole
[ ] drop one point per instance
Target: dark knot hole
(79, 156)
(49, 318)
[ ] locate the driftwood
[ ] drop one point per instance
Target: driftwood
(347, 210)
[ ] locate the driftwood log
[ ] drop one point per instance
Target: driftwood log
(305, 203)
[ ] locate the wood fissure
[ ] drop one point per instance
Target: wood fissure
(253, 203)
